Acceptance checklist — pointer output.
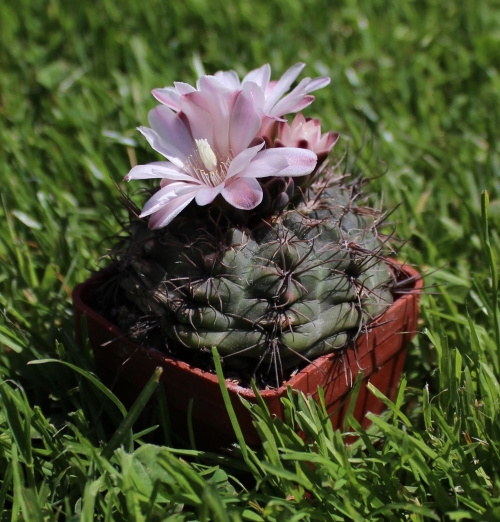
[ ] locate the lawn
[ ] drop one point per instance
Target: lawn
(418, 83)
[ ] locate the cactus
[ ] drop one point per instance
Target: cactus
(250, 246)
(268, 297)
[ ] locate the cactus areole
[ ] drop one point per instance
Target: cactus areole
(251, 243)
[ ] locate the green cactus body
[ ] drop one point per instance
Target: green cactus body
(300, 286)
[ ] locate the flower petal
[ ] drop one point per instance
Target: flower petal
(198, 116)
(260, 76)
(241, 161)
(184, 88)
(168, 96)
(266, 163)
(244, 124)
(282, 86)
(172, 129)
(229, 79)
(158, 169)
(212, 83)
(300, 161)
(207, 194)
(166, 194)
(164, 216)
(318, 83)
(219, 102)
(328, 140)
(291, 104)
(281, 161)
(164, 148)
(298, 98)
(243, 193)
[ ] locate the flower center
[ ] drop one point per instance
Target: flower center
(207, 155)
(206, 165)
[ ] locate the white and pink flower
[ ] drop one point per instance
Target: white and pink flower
(305, 133)
(209, 137)
(269, 96)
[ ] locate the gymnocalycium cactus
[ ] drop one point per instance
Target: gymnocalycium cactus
(250, 245)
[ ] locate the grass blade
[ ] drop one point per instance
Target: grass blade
(94, 380)
(245, 450)
(124, 431)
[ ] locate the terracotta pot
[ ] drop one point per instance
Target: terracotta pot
(126, 367)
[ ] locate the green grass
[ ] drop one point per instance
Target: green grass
(420, 81)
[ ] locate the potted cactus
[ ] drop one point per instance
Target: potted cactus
(252, 244)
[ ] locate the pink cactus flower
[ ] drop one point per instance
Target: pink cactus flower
(209, 142)
(268, 95)
(305, 133)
